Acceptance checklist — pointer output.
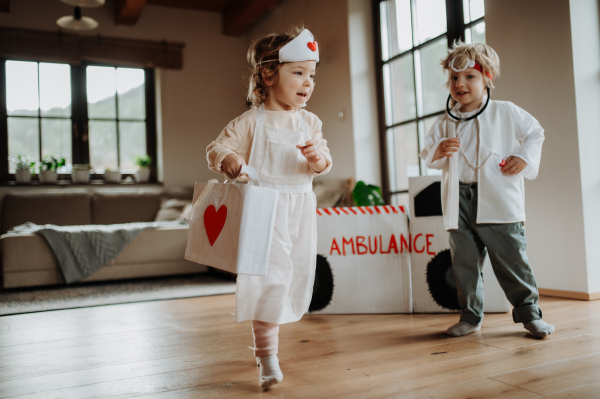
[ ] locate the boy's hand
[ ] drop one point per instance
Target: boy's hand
(446, 149)
(513, 166)
(315, 159)
(232, 165)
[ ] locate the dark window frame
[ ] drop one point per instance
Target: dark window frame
(455, 30)
(79, 119)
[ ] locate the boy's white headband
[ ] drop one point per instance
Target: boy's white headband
(302, 48)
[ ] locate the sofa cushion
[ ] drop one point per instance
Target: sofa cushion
(125, 206)
(62, 207)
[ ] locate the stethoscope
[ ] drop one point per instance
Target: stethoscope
(470, 117)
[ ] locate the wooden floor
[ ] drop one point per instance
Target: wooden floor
(189, 348)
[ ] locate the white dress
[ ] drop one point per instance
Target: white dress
(284, 294)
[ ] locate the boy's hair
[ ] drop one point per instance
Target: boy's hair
(266, 49)
(481, 53)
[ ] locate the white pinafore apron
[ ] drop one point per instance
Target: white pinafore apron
(284, 294)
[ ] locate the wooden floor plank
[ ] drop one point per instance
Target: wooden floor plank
(585, 392)
(555, 377)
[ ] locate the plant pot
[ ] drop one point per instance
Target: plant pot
(23, 176)
(80, 176)
(142, 175)
(48, 177)
(112, 176)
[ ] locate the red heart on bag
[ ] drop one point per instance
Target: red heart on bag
(214, 221)
(312, 45)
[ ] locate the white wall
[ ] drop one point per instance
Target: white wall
(585, 29)
(328, 21)
(533, 40)
(364, 95)
(197, 101)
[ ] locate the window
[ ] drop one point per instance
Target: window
(414, 37)
(96, 114)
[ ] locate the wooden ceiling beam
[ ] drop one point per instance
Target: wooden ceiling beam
(5, 6)
(127, 12)
(240, 15)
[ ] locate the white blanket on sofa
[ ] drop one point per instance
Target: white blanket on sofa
(82, 250)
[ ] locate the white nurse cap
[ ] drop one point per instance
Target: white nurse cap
(302, 48)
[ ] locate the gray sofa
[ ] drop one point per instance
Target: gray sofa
(27, 260)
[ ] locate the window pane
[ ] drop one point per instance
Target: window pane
(132, 136)
(396, 30)
(478, 33)
(433, 77)
(403, 22)
(103, 144)
(23, 139)
(385, 32)
(431, 19)
(130, 89)
(477, 9)
(402, 88)
(101, 89)
(427, 124)
(466, 12)
(403, 155)
(55, 89)
(56, 139)
(399, 199)
(22, 88)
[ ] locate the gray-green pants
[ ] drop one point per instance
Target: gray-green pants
(506, 244)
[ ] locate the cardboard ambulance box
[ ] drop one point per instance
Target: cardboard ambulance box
(433, 282)
(363, 262)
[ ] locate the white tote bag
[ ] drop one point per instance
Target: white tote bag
(231, 225)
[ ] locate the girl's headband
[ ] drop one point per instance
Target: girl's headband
(302, 48)
(470, 64)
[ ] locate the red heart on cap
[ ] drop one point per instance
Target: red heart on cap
(312, 45)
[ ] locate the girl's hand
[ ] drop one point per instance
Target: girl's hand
(232, 165)
(514, 165)
(446, 149)
(315, 159)
(310, 152)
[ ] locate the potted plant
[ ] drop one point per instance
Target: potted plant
(24, 168)
(81, 173)
(112, 176)
(143, 173)
(367, 195)
(49, 169)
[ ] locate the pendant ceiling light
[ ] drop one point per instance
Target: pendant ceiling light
(77, 21)
(84, 3)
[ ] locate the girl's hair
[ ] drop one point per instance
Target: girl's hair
(481, 53)
(263, 56)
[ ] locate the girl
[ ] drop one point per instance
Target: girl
(485, 148)
(285, 145)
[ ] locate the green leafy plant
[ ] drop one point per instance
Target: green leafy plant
(52, 163)
(143, 161)
(23, 162)
(82, 166)
(367, 195)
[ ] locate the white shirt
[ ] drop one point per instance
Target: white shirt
(468, 134)
(504, 130)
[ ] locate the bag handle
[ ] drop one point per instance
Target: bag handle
(248, 170)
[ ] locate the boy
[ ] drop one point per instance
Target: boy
(485, 148)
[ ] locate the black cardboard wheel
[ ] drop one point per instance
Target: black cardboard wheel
(441, 281)
(323, 286)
